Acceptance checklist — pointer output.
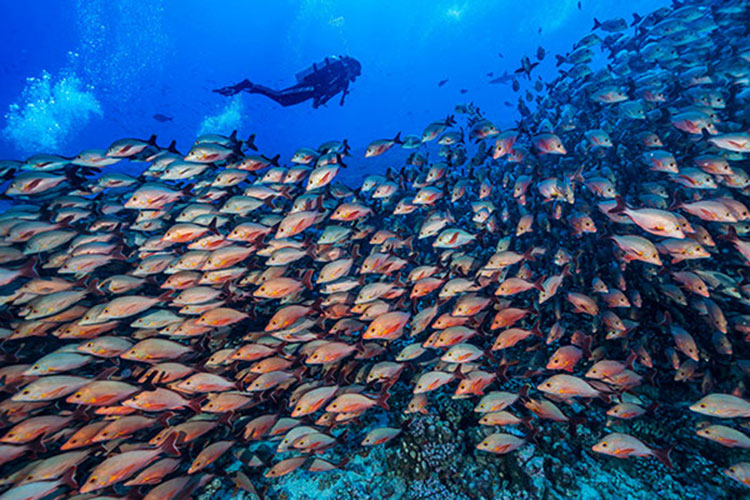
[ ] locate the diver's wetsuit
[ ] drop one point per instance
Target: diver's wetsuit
(320, 83)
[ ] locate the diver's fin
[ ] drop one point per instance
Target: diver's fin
(250, 142)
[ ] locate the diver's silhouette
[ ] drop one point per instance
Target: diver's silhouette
(320, 82)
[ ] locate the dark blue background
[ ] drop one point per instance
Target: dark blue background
(137, 58)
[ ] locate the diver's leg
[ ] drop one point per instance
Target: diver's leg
(287, 97)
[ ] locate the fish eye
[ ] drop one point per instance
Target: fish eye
(604, 445)
(702, 405)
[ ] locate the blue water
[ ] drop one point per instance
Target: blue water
(80, 74)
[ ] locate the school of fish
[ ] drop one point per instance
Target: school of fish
(156, 323)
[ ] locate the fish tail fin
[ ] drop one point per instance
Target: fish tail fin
(149, 381)
(269, 203)
(28, 270)
(478, 319)
(578, 175)
(663, 456)
(164, 418)
(538, 284)
(620, 206)
(242, 482)
(92, 286)
(631, 359)
(566, 271)
(526, 422)
(340, 160)
(529, 254)
(275, 160)
(212, 226)
(68, 480)
(169, 445)
(397, 281)
(449, 217)
(233, 136)
(299, 372)
(730, 236)
(284, 192)
(596, 24)
(152, 140)
(409, 243)
(523, 393)
(397, 139)
(536, 331)
(382, 400)
(117, 254)
(636, 19)
(105, 374)
(307, 279)
(560, 60)
(250, 142)
(195, 404)
(187, 190)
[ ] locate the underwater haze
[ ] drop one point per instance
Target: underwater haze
(302, 250)
(81, 74)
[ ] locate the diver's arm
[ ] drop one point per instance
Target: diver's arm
(343, 94)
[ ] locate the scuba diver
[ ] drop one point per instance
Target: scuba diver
(320, 82)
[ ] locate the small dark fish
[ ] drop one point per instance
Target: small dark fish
(463, 91)
(442, 82)
(508, 104)
(500, 54)
(540, 53)
(539, 30)
(516, 86)
(490, 74)
(527, 66)
(162, 118)
(611, 25)
(579, 5)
